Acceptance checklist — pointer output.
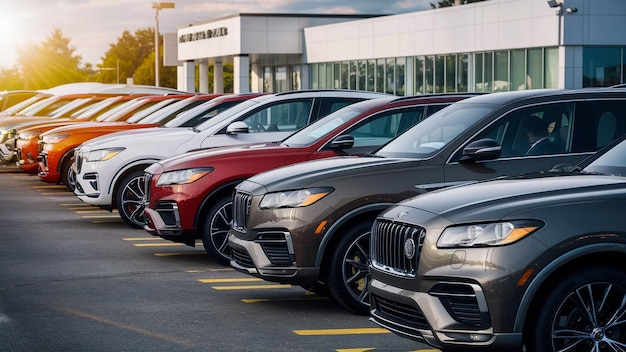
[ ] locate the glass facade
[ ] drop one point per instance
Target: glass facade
(482, 72)
(489, 71)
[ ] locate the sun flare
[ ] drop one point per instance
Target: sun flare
(11, 30)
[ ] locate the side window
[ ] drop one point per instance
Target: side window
(332, 104)
(282, 116)
(601, 123)
(380, 129)
(538, 130)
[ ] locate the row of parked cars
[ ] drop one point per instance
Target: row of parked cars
(467, 221)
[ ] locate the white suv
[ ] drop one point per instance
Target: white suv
(109, 169)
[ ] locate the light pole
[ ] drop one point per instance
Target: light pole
(158, 6)
(117, 70)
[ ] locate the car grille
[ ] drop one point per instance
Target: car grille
(396, 247)
(146, 186)
(276, 248)
(241, 210)
(241, 257)
(169, 213)
(399, 313)
(461, 302)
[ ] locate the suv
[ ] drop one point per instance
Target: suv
(534, 262)
(310, 223)
(109, 169)
(183, 205)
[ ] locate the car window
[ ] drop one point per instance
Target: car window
(537, 130)
(428, 137)
(601, 123)
(329, 105)
(385, 126)
(281, 116)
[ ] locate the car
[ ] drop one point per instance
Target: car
(109, 169)
(57, 145)
(190, 194)
(532, 262)
(309, 223)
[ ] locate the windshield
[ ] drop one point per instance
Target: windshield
(431, 135)
(612, 162)
(228, 113)
(149, 110)
(112, 113)
(19, 106)
(322, 127)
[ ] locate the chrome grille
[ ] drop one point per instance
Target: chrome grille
(242, 258)
(399, 313)
(241, 210)
(396, 247)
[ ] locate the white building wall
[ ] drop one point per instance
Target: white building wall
(488, 25)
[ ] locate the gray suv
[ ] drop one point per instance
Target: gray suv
(533, 262)
(309, 223)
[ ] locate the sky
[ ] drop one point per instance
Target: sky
(93, 25)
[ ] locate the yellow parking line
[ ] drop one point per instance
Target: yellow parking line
(250, 287)
(91, 211)
(357, 331)
(215, 281)
(105, 221)
(78, 202)
(262, 300)
(100, 216)
(50, 186)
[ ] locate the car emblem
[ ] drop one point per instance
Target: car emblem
(409, 248)
(403, 213)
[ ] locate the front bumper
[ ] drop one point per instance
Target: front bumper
(271, 257)
(164, 221)
(442, 318)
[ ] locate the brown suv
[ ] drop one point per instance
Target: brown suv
(309, 224)
(529, 263)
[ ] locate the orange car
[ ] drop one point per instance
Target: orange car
(112, 110)
(57, 145)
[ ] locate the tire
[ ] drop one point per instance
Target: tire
(215, 231)
(349, 275)
(130, 199)
(583, 312)
(68, 176)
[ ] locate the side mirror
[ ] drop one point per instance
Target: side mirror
(237, 127)
(482, 149)
(342, 142)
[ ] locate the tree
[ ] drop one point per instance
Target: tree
(134, 55)
(50, 63)
(448, 3)
(10, 78)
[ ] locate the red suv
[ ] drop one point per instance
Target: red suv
(190, 195)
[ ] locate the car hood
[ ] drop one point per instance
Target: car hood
(497, 199)
(23, 122)
(311, 172)
(157, 136)
(204, 157)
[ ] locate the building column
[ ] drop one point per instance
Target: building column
(189, 76)
(241, 74)
(218, 78)
(204, 76)
(256, 78)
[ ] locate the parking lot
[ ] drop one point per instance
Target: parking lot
(76, 278)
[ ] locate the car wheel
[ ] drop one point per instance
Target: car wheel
(584, 312)
(68, 176)
(130, 199)
(349, 273)
(215, 231)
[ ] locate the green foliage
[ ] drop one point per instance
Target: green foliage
(50, 63)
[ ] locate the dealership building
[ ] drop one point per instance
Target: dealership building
(489, 46)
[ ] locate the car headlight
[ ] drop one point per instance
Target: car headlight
(181, 177)
(294, 199)
(488, 234)
(29, 135)
(9, 133)
(54, 138)
(104, 154)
